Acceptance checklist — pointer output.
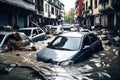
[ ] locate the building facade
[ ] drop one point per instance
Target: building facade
(110, 15)
(16, 12)
(88, 17)
(105, 13)
(30, 13)
(48, 12)
(79, 8)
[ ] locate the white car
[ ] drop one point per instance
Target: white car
(57, 29)
(34, 33)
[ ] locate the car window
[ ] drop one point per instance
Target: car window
(27, 32)
(39, 31)
(86, 41)
(1, 38)
(66, 43)
(35, 32)
(23, 36)
(93, 38)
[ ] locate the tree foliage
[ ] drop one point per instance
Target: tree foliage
(69, 16)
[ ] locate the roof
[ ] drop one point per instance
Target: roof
(28, 28)
(5, 32)
(74, 34)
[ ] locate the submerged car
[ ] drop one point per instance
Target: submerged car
(6, 37)
(34, 33)
(70, 47)
(57, 29)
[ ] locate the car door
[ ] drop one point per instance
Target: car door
(86, 47)
(85, 51)
(96, 44)
(41, 34)
(35, 36)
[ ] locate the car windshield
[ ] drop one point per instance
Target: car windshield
(27, 32)
(1, 37)
(66, 43)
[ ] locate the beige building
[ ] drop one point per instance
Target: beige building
(88, 13)
(106, 14)
(96, 12)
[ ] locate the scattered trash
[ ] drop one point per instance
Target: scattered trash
(115, 41)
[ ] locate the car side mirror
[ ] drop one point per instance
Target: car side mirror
(67, 63)
(86, 47)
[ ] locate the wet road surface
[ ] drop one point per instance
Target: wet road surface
(104, 65)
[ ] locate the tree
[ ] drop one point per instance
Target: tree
(69, 16)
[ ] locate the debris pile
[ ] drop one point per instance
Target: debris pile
(17, 45)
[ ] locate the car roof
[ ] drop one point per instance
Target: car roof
(28, 28)
(6, 32)
(74, 34)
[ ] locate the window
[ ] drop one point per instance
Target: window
(40, 31)
(86, 5)
(96, 3)
(52, 10)
(66, 43)
(46, 8)
(86, 41)
(35, 32)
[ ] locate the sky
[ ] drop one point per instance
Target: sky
(68, 4)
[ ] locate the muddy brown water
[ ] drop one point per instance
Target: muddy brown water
(104, 65)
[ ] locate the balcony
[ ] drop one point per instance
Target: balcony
(108, 7)
(26, 4)
(87, 13)
(116, 4)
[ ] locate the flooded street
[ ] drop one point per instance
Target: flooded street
(101, 66)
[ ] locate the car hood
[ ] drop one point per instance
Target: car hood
(55, 55)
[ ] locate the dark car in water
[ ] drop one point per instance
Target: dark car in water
(70, 47)
(34, 33)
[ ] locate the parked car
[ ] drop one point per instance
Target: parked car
(48, 28)
(57, 29)
(67, 28)
(34, 33)
(6, 37)
(84, 30)
(113, 41)
(97, 27)
(70, 47)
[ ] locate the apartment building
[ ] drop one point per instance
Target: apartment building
(110, 15)
(78, 8)
(88, 17)
(95, 11)
(16, 12)
(31, 13)
(53, 12)
(49, 12)
(105, 13)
